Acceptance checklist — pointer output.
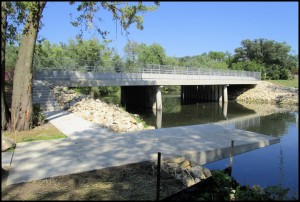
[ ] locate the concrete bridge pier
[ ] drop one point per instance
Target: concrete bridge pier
(204, 93)
(225, 94)
(158, 115)
(225, 107)
(141, 96)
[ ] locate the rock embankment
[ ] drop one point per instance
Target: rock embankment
(109, 116)
(266, 92)
(188, 172)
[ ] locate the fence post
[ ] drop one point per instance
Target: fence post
(158, 176)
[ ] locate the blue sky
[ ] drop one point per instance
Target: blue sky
(188, 28)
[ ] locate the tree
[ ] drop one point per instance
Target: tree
(4, 108)
(131, 52)
(21, 111)
(215, 55)
(250, 66)
(117, 62)
(126, 15)
(15, 13)
(153, 54)
(269, 53)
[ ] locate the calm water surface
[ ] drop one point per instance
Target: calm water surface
(272, 165)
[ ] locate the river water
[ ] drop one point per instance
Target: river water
(276, 164)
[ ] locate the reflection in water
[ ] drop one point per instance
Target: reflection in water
(175, 114)
(225, 107)
(273, 165)
(243, 123)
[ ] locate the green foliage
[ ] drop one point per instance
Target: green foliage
(153, 54)
(277, 192)
(124, 12)
(131, 53)
(38, 118)
(173, 61)
(225, 187)
(218, 56)
(108, 90)
(11, 57)
(97, 92)
(94, 92)
(250, 66)
(17, 13)
(216, 60)
(117, 63)
(272, 55)
(140, 120)
(171, 90)
(246, 193)
(76, 54)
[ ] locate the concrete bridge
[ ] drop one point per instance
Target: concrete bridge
(142, 86)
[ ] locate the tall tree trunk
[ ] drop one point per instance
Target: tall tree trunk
(4, 108)
(21, 110)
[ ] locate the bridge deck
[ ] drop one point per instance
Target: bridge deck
(85, 79)
(91, 147)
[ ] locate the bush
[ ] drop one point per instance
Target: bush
(38, 117)
(225, 187)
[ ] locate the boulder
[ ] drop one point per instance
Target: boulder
(7, 143)
(197, 171)
(185, 164)
(178, 160)
(206, 172)
(189, 182)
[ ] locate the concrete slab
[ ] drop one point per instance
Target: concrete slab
(90, 148)
(74, 126)
(6, 158)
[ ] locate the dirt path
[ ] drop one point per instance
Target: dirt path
(129, 182)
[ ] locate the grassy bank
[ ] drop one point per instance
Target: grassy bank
(287, 83)
(44, 132)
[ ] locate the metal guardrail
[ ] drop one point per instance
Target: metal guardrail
(153, 69)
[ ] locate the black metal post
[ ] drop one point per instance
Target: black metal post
(231, 157)
(158, 175)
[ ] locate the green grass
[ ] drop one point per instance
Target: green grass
(44, 132)
(287, 83)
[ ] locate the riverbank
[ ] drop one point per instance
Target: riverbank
(266, 92)
(116, 119)
(108, 115)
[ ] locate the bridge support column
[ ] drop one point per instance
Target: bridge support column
(225, 94)
(158, 114)
(158, 97)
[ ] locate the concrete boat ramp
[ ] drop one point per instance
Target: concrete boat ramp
(90, 147)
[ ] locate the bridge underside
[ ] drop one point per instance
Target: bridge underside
(150, 96)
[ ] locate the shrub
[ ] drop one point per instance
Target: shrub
(38, 118)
